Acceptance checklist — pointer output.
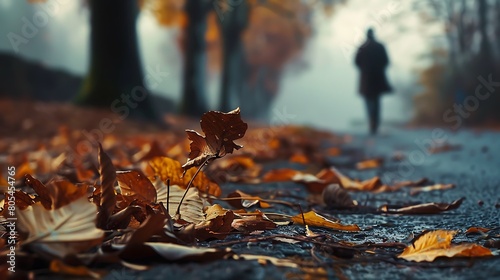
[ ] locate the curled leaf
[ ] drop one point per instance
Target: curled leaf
(107, 174)
(437, 243)
(41, 190)
(425, 208)
(220, 129)
(314, 219)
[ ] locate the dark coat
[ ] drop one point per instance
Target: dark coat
(372, 60)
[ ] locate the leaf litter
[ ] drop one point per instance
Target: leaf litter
(141, 206)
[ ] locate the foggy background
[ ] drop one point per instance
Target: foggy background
(318, 87)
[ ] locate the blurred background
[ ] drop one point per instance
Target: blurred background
(281, 61)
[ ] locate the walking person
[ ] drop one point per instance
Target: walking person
(372, 59)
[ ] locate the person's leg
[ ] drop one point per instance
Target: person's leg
(376, 113)
(371, 108)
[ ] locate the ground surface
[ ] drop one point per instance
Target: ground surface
(471, 163)
(473, 168)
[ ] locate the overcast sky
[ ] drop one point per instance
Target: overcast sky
(325, 94)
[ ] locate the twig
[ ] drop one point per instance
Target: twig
(177, 213)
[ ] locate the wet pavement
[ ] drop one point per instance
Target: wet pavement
(472, 165)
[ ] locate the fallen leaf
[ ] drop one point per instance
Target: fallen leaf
(425, 208)
(445, 147)
(435, 187)
(148, 152)
(167, 168)
(253, 223)
(217, 225)
(473, 230)
(107, 200)
(265, 259)
(23, 200)
(192, 207)
(436, 244)
(299, 158)
(135, 184)
(220, 129)
(173, 252)
(245, 200)
(314, 219)
(64, 192)
(41, 190)
(280, 175)
(369, 164)
(236, 169)
(66, 230)
(138, 250)
(312, 182)
(419, 182)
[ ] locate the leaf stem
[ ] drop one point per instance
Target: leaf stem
(178, 212)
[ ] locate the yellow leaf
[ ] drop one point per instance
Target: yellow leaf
(167, 168)
(314, 219)
(436, 244)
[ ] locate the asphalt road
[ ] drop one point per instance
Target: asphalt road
(472, 165)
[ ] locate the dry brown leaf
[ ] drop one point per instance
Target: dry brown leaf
(149, 151)
(425, 208)
(253, 223)
(41, 190)
(107, 202)
(135, 184)
(169, 252)
(245, 200)
(369, 164)
(314, 219)
(419, 182)
(217, 224)
(436, 244)
(445, 147)
(313, 183)
(64, 192)
(266, 259)
(473, 230)
(280, 175)
(349, 184)
(236, 169)
(23, 200)
(299, 158)
(435, 187)
(220, 129)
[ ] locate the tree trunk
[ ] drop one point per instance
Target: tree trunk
(233, 23)
(115, 78)
(193, 101)
(257, 96)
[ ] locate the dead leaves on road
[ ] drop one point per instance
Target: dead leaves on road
(137, 207)
(434, 244)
